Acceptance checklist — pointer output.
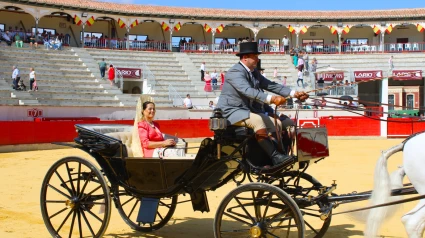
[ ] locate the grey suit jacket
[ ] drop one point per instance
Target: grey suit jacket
(239, 92)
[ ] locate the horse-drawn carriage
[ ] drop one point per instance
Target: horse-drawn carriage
(76, 196)
(269, 201)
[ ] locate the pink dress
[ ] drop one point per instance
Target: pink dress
(148, 133)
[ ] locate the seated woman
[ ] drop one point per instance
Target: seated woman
(151, 138)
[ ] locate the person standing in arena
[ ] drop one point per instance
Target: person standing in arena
(32, 79)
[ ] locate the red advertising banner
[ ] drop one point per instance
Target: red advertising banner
(329, 76)
(367, 75)
(407, 74)
(130, 73)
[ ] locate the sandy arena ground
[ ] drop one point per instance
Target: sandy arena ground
(351, 163)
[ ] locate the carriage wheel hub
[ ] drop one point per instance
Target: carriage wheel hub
(255, 231)
(69, 204)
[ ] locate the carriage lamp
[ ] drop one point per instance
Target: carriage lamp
(217, 121)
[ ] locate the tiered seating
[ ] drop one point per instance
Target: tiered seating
(164, 66)
(223, 62)
(60, 77)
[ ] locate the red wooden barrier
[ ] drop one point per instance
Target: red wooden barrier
(404, 127)
(29, 132)
(351, 126)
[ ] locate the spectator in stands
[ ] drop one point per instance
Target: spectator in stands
(32, 79)
(262, 45)
(33, 41)
(16, 76)
(6, 37)
(300, 64)
(188, 102)
(334, 80)
(202, 71)
(300, 78)
(347, 83)
(28, 36)
(214, 77)
(151, 138)
(305, 58)
(47, 43)
(422, 117)
(275, 73)
(323, 102)
(111, 74)
(58, 44)
(211, 105)
(391, 63)
(295, 58)
(284, 80)
(285, 42)
(313, 65)
(102, 68)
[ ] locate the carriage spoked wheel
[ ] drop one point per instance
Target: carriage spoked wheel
(128, 207)
(75, 199)
(302, 188)
(258, 210)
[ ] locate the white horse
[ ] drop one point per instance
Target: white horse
(413, 168)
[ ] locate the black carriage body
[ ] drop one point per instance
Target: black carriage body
(154, 177)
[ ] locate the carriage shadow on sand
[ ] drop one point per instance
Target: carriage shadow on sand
(203, 227)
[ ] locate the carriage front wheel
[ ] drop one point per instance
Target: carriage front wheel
(258, 210)
(75, 200)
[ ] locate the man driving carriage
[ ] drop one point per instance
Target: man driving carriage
(244, 103)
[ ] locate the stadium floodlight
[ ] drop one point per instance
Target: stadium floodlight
(171, 21)
(256, 24)
(84, 14)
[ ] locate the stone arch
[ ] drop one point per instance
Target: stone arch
(404, 36)
(17, 16)
(273, 32)
(193, 29)
(235, 31)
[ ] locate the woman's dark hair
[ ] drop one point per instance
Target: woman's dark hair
(145, 104)
(111, 66)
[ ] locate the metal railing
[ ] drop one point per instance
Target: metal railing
(150, 79)
(174, 96)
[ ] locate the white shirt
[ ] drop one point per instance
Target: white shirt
(300, 61)
(32, 74)
(15, 73)
(203, 67)
(285, 41)
(187, 102)
(214, 75)
(300, 74)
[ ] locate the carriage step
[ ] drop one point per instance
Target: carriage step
(148, 210)
(200, 201)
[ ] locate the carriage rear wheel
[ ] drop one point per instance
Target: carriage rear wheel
(258, 210)
(128, 207)
(301, 188)
(75, 200)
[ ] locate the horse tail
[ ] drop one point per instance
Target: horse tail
(382, 190)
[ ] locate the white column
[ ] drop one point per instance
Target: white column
(382, 41)
(171, 40)
(297, 39)
(128, 38)
(82, 35)
(384, 100)
(339, 42)
(212, 40)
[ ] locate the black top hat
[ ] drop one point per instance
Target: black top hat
(248, 48)
(259, 65)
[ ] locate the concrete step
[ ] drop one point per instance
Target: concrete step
(9, 101)
(79, 102)
(29, 102)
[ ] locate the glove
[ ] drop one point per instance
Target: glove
(302, 96)
(278, 100)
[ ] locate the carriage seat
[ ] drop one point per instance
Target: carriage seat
(126, 138)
